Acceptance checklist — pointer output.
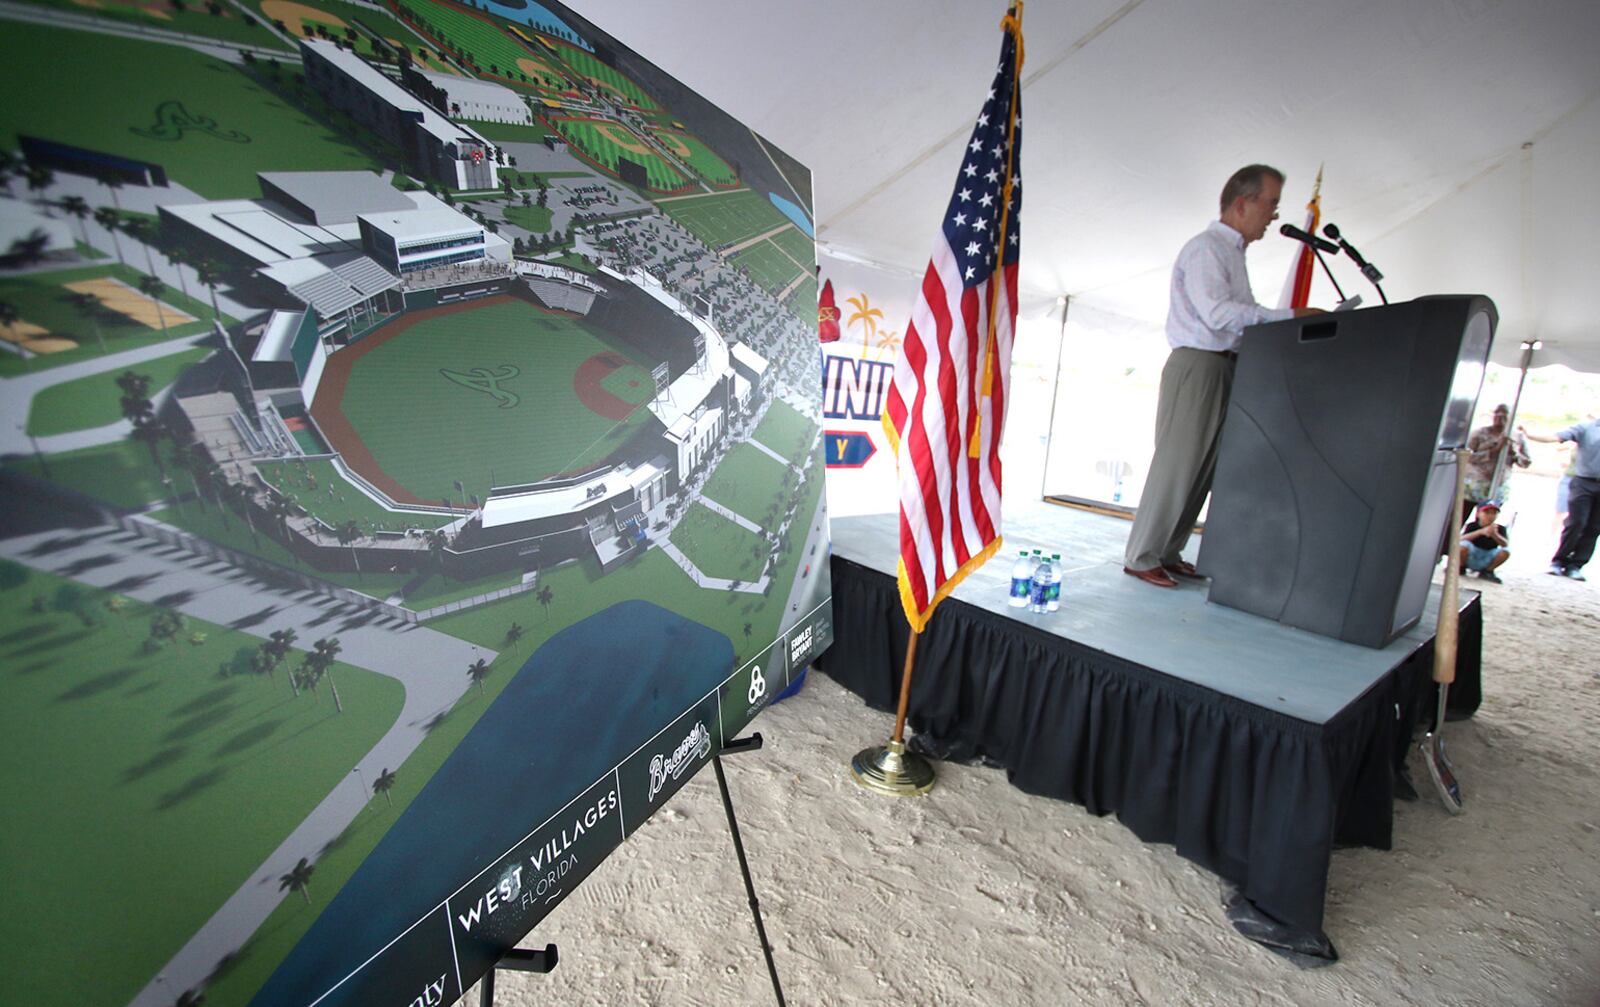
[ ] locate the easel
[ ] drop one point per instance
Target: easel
(520, 960)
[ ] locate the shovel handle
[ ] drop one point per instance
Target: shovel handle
(1449, 625)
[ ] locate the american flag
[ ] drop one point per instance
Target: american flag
(947, 402)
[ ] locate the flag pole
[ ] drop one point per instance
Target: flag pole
(891, 769)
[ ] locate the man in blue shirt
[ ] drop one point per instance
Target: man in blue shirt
(1583, 498)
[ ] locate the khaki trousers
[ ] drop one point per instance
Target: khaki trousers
(1189, 411)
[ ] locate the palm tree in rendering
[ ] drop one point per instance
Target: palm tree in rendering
(545, 596)
(210, 274)
(77, 208)
(151, 287)
(383, 784)
(138, 410)
(108, 218)
(298, 880)
(88, 306)
(436, 540)
(348, 534)
(478, 671)
(322, 656)
(39, 178)
(514, 635)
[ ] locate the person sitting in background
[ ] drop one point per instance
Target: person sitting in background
(1583, 498)
(1487, 444)
(1483, 543)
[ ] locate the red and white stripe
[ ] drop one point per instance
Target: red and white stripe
(949, 500)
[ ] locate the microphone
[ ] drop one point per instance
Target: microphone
(1367, 269)
(1291, 231)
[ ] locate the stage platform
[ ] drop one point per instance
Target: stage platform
(1252, 746)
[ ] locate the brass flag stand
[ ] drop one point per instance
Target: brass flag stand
(890, 769)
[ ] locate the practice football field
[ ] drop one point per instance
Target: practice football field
(487, 394)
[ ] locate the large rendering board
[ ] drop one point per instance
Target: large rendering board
(412, 475)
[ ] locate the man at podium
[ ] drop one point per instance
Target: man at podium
(1211, 303)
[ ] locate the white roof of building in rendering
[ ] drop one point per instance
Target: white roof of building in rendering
(690, 389)
(387, 91)
(278, 338)
(264, 231)
(409, 225)
(337, 197)
(533, 504)
(467, 89)
(754, 362)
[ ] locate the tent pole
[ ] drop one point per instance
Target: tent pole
(1055, 393)
(1511, 420)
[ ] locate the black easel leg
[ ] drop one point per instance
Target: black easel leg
(745, 745)
(517, 960)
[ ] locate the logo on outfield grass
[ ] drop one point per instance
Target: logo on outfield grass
(173, 120)
(482, 379)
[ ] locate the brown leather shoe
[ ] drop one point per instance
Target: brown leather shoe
(1183, 568)
(1156, 576)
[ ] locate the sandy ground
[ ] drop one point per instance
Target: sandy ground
(979, 894)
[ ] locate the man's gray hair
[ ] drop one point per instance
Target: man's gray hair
(1247, 182)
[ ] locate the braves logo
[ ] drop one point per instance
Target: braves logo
(758, 685)
(482, 379)
(173, 121)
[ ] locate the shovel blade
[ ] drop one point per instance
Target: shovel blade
(1442, 773)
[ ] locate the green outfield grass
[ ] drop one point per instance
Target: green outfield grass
(427, 430)
(226, 25)
(725, 218)
(607, 78)
(120, 474)
(152, 784)
(534, 219)
(509, 132)
(701, 158)
(785, 431)
(798, 247)
(769, 268)
(42, 298)
(317, 486)
(204, 120)
(590, 136)
(719, 547)
(95, 401)
(489, 44)
(748, 482)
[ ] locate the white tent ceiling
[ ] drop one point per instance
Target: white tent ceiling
(1460, 138)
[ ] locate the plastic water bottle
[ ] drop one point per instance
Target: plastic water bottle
(1021, 580)
(1039, 593)
(1053, 591)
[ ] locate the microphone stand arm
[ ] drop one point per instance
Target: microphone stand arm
(1324, 263)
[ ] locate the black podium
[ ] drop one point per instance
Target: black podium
(1335, 476)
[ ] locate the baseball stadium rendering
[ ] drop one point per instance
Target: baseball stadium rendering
(364, 363)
